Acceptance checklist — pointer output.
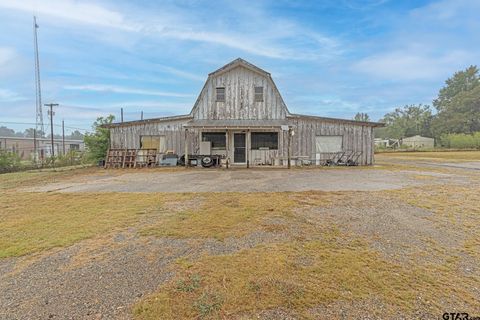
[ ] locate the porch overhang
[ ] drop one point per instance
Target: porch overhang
(238, 124)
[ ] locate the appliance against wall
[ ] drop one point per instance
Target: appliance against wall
(205, 148)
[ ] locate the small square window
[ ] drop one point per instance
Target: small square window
(221, 94)
(258, 94)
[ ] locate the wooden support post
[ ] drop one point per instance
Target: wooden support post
(227, 161)
(186, 148)
(289, 151)
(247, 148)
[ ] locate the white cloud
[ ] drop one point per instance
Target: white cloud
(10, 96)
(81, 12)
(6, 55)
(412, 65)
(181, 73)
(119, 89)
(429, 43)
(261, 34)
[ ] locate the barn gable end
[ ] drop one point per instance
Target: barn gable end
(239, 78)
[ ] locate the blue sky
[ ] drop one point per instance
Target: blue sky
(329, 58)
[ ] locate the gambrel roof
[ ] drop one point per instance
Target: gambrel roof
(239, 62)
(245, 64)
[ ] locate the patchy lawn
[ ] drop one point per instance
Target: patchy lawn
(413, 252)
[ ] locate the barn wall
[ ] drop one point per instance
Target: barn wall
(355, 137)
(239, 102)
(128, 136)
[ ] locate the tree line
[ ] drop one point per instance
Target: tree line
(455, 115)
(30, 133)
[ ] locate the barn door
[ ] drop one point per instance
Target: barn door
(325, 145)
(239, 152)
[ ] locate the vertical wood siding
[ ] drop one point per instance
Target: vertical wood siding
(239, 102)
(354, 137)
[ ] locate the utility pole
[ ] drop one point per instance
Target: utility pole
(141, 116)
(63, 136)
(51, 114)
(121, 114)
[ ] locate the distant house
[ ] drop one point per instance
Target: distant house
(242, 116)
(24, 147)
(381, 143)
(418, 142)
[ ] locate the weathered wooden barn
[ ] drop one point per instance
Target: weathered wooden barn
(241, 115)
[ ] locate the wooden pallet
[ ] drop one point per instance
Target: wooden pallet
(146, 158)
(115, 158)
(129, 158)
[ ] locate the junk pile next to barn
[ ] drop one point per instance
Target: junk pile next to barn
(241, 119)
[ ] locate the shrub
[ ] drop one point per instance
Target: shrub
(461, 140)
(9, 161)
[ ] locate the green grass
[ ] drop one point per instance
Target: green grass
(433, 155)
(44, 176)
(313, 263)
(33, 222)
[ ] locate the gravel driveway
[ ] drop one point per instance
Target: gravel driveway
(245, 180)
(101, 278)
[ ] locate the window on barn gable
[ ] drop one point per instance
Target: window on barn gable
(258, 94)
(264, 140)
(217, 139)
(220, 94)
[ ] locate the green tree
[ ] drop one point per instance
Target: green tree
(6, 132)
(458, 104)
(98, 142)
(407, 121)
(76, 135)
(360, 116)
(30, 133)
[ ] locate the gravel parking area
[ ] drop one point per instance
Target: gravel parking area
(104, 276)
(244, 180)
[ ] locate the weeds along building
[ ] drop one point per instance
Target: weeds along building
(241, 114)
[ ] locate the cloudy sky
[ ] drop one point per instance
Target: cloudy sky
(331, 58)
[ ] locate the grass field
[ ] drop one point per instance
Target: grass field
(298, 254)
(434, 155)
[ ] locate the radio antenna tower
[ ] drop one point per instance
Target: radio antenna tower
(38, 92)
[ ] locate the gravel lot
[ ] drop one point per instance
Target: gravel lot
(101, 278)
(244, 180)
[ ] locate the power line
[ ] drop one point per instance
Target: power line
(32, 123)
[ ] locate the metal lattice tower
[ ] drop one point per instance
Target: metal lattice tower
(38, 92)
